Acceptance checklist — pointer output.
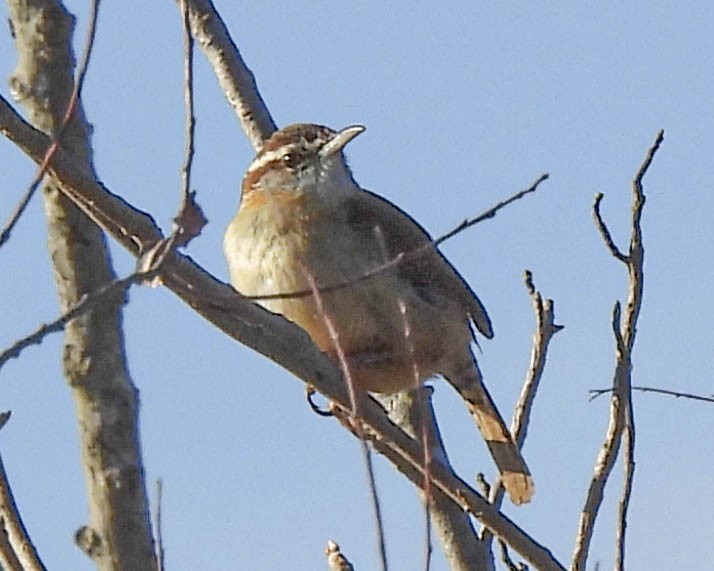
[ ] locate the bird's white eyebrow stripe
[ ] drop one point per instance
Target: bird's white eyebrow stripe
(269, 157)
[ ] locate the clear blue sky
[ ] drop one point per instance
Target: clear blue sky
(464, 103)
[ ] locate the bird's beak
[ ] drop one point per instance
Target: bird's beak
(338, 142)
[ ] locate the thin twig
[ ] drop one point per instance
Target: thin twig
(366, 454)
(85, 304)
(190, 219)
(644, 167)
(421, 429)
(491, 212)
(594, 393)
(190, 117)
(605, 231)
(236, 80)
(76, 92)
(409, 255)
(545, 330)
(131, 227)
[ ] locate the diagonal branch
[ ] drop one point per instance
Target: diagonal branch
(236, 80)
(86, 303)
(148, 269)
(405, 453)
(64, 123)
(491, 212)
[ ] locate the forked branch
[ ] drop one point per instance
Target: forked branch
(621, 427)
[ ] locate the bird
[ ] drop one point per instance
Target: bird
(304, 224)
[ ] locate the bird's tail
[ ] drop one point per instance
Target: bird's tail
(515, 476)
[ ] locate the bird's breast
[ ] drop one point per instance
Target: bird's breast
(283, 245)
(265, 241)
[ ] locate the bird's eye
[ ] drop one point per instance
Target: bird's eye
(290, 160)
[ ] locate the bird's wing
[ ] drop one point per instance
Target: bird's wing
(430, 271)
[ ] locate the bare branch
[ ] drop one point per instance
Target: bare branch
(605, 231)
(594, 393)
(405, 453)
(413, 412)
(491, 212)
(621, 409)
(190, 220)
(85, 304)
(545, 329)
(420, 429)
(190, 118)
(236, 80)
(68, 113)
(119, 531)
(634, 305)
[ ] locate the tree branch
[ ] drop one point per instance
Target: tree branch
(594, 393)
(94, 366)
(413, 412)
(236, 80)
(546, 328)
(621, 410)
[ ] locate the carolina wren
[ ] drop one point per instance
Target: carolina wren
(303, 219)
